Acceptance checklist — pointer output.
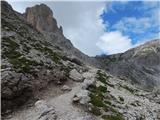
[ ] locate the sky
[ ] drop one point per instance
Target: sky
(104, 27)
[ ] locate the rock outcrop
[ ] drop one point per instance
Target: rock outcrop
(41, 17)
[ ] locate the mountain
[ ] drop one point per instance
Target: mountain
(44, 77)
(41, 17)
(32, 45)
(141, 65)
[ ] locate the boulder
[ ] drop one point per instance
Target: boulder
(87, 82)
(82, 97)
(44, 112)
(76, 76)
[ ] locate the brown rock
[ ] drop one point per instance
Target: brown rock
(41, 17)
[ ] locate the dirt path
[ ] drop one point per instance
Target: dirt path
(64, 108)
(62, 104)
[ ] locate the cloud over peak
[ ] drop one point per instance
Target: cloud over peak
(114, 42)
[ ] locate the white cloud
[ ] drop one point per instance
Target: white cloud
(114, 42)
(81, 23)
(133, 25)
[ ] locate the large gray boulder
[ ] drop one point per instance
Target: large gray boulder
(44, 112)
(75, 75)
(82, 97)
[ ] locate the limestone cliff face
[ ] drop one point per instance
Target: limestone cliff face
(41, 17)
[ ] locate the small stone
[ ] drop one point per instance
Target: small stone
(59, 83)
(41, 105)
(76, 98)
(66, 88)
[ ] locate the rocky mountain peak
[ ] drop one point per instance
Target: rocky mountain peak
(41, 17)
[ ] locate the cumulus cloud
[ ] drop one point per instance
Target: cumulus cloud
(81, 23)
(114, 42)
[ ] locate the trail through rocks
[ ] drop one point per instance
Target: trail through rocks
(56, 107)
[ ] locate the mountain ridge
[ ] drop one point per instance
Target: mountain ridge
(142, 62)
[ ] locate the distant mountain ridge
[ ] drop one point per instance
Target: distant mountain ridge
(141, 64)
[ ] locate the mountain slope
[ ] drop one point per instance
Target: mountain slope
(31, 58)
(141, 65)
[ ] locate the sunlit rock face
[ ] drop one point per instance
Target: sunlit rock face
(41, 17)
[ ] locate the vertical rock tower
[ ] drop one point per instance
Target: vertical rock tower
(41, 17)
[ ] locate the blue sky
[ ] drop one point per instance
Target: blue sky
(104, 27)
(139, 13)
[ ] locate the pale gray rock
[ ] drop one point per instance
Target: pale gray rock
(66, 88)
(76, 76)
(44, 111)
(82, 97)
(87, 82)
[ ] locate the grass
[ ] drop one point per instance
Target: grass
(102, 77)
(23, 64)
(10, 27)
(66, 69)
(121, 99)
(100, 102)
(135, 104)
(96, 111)
(108, 102)
(3, 66)
(26, 48)
(22, 31)
(97, 90)
(47, 51)
(10, 43)
(12, 47)
(16, 58)
(97, 100)
(111, 85)
(113, 117)
(129, 89)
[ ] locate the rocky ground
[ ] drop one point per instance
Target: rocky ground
(96, 96)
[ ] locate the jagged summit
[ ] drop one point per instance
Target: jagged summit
(41, 17)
